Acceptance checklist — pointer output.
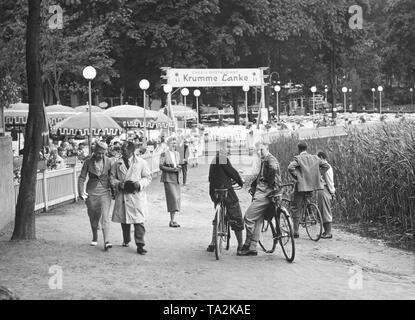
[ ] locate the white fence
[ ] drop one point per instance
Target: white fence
(54, 187)
(58, 186)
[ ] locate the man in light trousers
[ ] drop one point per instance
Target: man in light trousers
(268, 180)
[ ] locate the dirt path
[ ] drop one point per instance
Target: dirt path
(178, 267)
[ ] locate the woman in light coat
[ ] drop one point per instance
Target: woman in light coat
(171, 170)
(130, 176)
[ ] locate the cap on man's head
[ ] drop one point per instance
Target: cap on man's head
(101, 146)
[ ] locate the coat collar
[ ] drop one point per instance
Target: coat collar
(92, 162)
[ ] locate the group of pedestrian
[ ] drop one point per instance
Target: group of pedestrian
(124, 180)
(116, 190)
(311, 173)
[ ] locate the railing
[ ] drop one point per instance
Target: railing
(54, 187)
(58, 186)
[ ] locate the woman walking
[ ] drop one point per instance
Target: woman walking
(98, 201)
(171, 170)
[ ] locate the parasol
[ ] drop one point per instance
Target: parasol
(57, 113)
(19, 106)
(129, 116)
(79, 125)
(163, 121)
(182, 112)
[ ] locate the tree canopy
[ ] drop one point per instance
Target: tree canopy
(305, 41)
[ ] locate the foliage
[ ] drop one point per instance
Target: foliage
(9, 91)
(400, 52)
(374, 170)
(130, 40)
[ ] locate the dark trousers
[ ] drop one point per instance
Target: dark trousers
(139, 232)
(184, 171)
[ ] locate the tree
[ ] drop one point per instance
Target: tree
(12, 43)
(9, 90)
(24, 228)
(400, 55)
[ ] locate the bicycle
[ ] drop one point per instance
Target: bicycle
(310, 217)
(279, 223)
(221, 228)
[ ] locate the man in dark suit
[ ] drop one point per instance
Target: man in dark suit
(98, 201)
(267, 181)
(307, 170)
(221, 176)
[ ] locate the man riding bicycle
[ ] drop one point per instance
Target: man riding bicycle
(268, 180)
(221, 176)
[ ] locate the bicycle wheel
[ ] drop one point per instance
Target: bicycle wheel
(267, 238)
(313, 222)
(218, 234)
(287, 236)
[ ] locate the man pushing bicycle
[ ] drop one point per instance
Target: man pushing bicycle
(306, 169)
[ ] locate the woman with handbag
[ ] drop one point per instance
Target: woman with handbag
(171, 170)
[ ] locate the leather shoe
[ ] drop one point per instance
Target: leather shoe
(244, 248)
(141, 250)
(249, 253)
(107, 246)
(210, 248)
(296, 236)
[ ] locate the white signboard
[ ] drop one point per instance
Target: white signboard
(181, 78)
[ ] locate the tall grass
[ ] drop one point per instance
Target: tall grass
(374, 176)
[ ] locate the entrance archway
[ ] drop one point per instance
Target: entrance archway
(202, 78)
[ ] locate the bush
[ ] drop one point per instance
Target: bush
(374, 174)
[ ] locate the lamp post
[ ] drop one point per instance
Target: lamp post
(196, 93)
(314, 90)
(245, 88)
(373, 97)
(380, 89)
(144, 85)
(89, 74)
(344, 90)
(351, 101)
(412, 95)
(277, 89)
(185, 93)
(167, 88)
(326, 90)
